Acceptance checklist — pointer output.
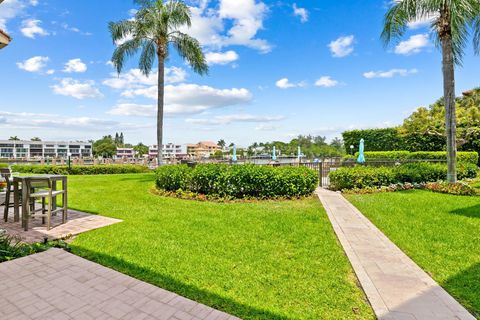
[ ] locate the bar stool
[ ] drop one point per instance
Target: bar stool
(42, 189)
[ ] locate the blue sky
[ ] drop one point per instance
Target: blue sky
(277, 69)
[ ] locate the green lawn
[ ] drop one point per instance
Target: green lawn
(265, 260)
(439, 232)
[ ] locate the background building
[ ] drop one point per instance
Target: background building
(123, 153)
(203, 149)
(169, 151)
(44, 149)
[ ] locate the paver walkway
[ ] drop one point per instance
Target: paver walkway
(59, 285)
(77, 222)
(395, 286)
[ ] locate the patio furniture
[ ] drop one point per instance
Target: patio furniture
(25, 195)
(42, 188)
(6, 174)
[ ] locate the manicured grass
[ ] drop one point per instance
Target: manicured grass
(439, 232)
(264, 260)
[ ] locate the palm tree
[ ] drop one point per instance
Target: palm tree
(451, 22)
(154, 29)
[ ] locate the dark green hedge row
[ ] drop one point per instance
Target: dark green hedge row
(238, 181)
(462, 156)
(79, 170)
(421, 172)
(386, 139)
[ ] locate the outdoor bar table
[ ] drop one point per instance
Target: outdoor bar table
(21, 180)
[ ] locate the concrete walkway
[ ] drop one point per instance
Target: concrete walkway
(59, 285)
(395, 286)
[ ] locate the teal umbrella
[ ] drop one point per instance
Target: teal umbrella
(274, 154)
(234, 157)
(361, 151)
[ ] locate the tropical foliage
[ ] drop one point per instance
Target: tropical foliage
(153, 31)
(310, 147)
(451, 22)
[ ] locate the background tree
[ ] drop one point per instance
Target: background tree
(35, 139)
(154, 29)
(141, 149)
(222, 143)
(105, 147)
(450, 27)
(14, 138)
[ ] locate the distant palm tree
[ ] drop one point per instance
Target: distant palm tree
(154, 29)
(451, 22)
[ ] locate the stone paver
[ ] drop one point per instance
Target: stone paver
(77, 223)
(395, 286)
(59, 285)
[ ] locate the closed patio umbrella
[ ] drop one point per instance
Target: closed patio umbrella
(361, 156)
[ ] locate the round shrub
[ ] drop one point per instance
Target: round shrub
(173, 178)
(239, 181)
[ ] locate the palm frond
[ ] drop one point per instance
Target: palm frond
(121, 29)
(191, 50)
(147, 58)
(125, 50)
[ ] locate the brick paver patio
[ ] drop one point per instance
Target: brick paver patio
(59, 285)
(77, 223)
(395, 286)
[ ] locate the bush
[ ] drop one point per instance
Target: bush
(238, 181)
(361, 177)
(466, 156)
(172, 178)
(459, 188)
(79, 170)
(375, 139)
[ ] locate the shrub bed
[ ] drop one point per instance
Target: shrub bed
(466, 156)
(79, 170)
(360, 177)
(238, 181)
(459, 188)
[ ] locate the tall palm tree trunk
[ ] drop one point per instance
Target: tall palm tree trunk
(449, 96)
(160, 105)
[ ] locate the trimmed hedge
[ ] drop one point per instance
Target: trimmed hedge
(375, 139)
(464, 156)
(360, 177)
(79, 170)
(238, 181)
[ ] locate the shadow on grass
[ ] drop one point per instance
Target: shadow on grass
(465, 287)
(145, 177)
(471, 212)
(186, 290)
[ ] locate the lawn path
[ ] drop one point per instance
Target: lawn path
(395, 286)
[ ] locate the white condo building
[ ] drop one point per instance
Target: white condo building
(44, 149)
(169, 151)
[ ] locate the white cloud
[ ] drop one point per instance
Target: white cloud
(326, 82)
(11, 9)
(34, 2)
(34, 64)
(390, 73)
(74, 29)
(133, 109)
(31, 28)
(134, 78)
(75, 65)
(184, 99)
(413, 45)
(266, 127)
(50, 71)
(77, 89)
(286, 84)
(300, 12)
(42, 122)
(342, 47)
(422, 22)
(234, 23)
(221, 58)
(227, 119)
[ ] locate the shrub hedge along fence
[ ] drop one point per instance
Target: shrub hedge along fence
(463, 156)
(360, 177)
(238, 181)
(79, 170)
(391, 139)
